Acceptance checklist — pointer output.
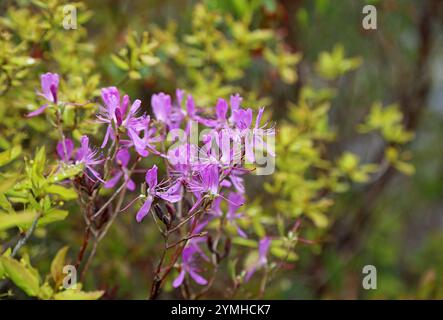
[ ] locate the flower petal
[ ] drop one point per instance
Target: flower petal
(161, 106)
(108, 133)
(130, 185)
(144, 210)
(37, 112)
(197, 278)
(135, 106)
(68, 147)
(151, 177)
(113, 181)
(179, 280)
(49, 82)
(221, 109)
(123, 156)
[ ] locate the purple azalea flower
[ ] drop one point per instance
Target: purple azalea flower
(165, 112)
(171, 194)
(221, 110)
(116, 115)
(235, 102)
(161, 106)
(184, 159)
(253, 136)
(180, 94)
(190, 107)
(88, 157)
(222, 147)
(205, 181)
(234, 175)
(122, 158)
(242, 118)
(191, 111)
(65, 149)
(145, 144)
(263, 249)
(235, 201)
(49, 83)
(188, 266)
(195, 242)
(209, 153)
(257, 138)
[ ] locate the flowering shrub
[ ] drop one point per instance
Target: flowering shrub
(198, 179)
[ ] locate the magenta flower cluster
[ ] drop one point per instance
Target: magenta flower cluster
(200, 175)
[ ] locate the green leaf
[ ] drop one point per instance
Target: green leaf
(21, 276)
(2, 270)
(319, 219)
(404, 167)
(66, 172)
(258, 227)
(283, 254)
(52, 216)
(63, 192)
(45, 292)
(135, 75)
(149, 60)
(232, 264)
(7, 182)
(9, 155)
(40, 160)
(245, 242)
(5, 204)
(251, 260)
(72, 294)
(331, 65)
(119, 62)
(16, 219)
(57, 265)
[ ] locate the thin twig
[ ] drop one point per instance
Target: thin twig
(28, 234)
(197, 235)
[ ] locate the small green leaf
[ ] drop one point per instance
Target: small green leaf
(245, 242)
(63, 192)
(5, 204)
(45, 292)
(258, 227)
(40, 159)
(66, 172)
(320, 220)
(135, 75)
(16, 219)
(283, 254)
(72, 294)
(251, 260)
(404, 167)
(7, 182)
(2, 270)
(52, 216)
(119, 62)
(21, 276)
(9, 155)
(57, 264)
(149, 60)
